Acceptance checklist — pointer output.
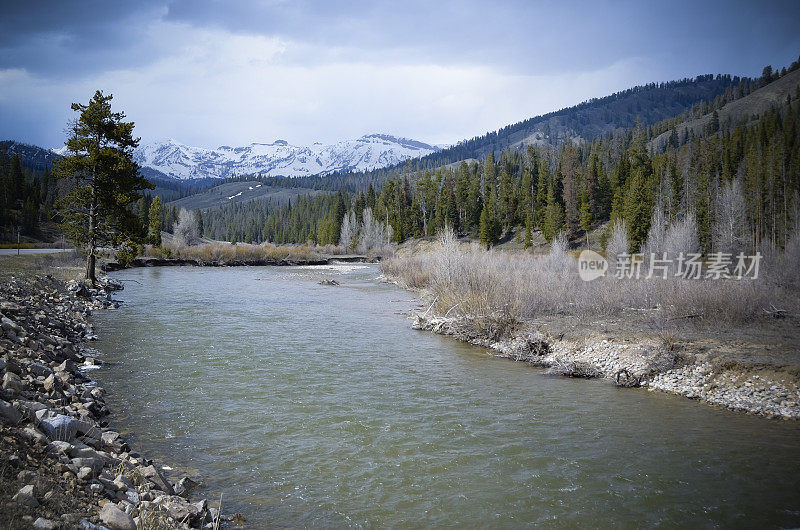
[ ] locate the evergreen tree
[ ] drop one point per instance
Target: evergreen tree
(586, 219)
(554, 216)
(154, 217)
(490, 228)
(97, 212)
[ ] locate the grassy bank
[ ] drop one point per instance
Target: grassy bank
(61, 265)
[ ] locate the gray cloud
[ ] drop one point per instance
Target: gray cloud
(212, 72)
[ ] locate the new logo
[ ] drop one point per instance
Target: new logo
(591, 265)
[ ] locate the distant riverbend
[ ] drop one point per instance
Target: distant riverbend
(318, 405)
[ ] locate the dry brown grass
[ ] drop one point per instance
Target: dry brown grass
(473, 282)
(227, 253)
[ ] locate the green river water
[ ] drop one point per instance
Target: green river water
(319, 406)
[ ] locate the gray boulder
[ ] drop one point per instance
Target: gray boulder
(8, 413)
(57, 426)
(178, 507)
(26, 497)
(38, 369)
(153, 475)
(11, 381)
(45, 524)
(115, 518)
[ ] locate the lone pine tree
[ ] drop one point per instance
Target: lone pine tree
(97, 211)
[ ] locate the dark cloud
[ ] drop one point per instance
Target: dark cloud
(57, 38)
(67, 38)
(196, 51)
(520, 35)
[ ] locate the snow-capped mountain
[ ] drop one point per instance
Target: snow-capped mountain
(278, 158)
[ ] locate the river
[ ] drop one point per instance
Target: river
(318, 406)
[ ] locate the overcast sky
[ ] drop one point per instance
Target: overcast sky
(212, 73)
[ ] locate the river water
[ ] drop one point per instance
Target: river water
(318, 406)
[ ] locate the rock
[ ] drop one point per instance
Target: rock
(13, 366)
(30, 407)
(85, 474)
(185, 486)
(154, 476)
(131, 496)
(88, 428)
(178, 507)
(88, 525)
(96, 464)
(50, 383)
(123, 482)
(67, 366)
(57, 426)
(115, 518)
(40, 370)
(44, 524)
(26, 497)
(111, 440)
(60, 447)
(11, 381)
(26, 475)
(35, 436)
(8, 413)
(10, 308)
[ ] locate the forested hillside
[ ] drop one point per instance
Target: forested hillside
(693, 149)
(645, 105)
(741, 172)
(27, 189)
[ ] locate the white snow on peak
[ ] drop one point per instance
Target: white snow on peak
(278, 158)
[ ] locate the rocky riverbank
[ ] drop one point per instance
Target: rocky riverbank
(651, 363)
(60, 464)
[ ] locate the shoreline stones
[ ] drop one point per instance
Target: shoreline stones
(642, 364)
(56, 449)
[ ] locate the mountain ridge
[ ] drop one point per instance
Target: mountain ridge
(279, 158)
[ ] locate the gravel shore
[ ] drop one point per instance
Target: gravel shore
(60, 464)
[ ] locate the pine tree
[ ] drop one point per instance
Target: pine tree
(570, 166)
(528, 241)
(586, 219)
(554, 216)
(97, 212)
(489, 232)
(155, 222)
(638, 209)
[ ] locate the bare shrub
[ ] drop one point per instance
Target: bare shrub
(223, 253)
(618, 242)
(185, 230)
(681, 237)
(484, 285)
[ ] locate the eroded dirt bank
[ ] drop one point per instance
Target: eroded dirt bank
(749, 370)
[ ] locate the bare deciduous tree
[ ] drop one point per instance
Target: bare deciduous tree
(372, 233)
(618, 242)
(730, 231)
(657, 232)
(349, 231)
(681, 237)
(185, 230)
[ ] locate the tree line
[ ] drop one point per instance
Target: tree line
(572, 189)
